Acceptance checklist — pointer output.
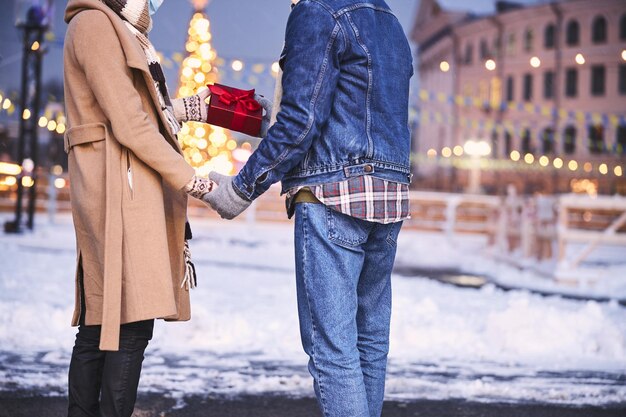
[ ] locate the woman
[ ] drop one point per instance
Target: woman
(129, 197)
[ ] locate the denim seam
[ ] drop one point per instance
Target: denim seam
(308, 301)
(368, 123)
(357, 6)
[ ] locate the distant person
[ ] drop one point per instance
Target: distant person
(341, 147)
(129, 186)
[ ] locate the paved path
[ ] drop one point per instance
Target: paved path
(21, 405)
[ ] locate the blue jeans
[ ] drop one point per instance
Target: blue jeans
(343, 270)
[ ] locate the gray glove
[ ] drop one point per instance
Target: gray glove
(267, 106)
(224, 199)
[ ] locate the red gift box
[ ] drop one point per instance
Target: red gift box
(234, 109)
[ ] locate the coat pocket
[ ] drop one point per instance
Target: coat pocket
(84, 134)
(130, 173)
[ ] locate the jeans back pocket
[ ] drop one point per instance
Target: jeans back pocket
(347, 231)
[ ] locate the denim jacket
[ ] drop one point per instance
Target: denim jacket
(344, 110)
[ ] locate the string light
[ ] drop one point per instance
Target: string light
(603, 168)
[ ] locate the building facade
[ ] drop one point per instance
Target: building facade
(543, 85)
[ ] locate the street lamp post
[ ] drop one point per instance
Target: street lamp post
(476, 149)
(32, 19)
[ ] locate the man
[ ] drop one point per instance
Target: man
(340, 146)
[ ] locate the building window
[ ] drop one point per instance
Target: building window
(528, 40)
(526, 142)
(549, 36)
(622, 28)
(596, 139)
(494, 144)
(598, 78)
(510, 44)
(510, 93)
(548, 85)
(620, 140)
(469, 52)
(572, 33)
(528, 87)
(484, 50)
(497, 47)
(508, 143)
(622, 79)
(569, 140)
(598, 30)
(547, 140)
(571, 82)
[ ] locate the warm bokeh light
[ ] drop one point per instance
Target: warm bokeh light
(8, 168)
(529, 158)
(59, 183)
(446, 152)
(26, 114)
(572, 165)
(515, 156)
(490, 64)
(52, 125)
(544, 161)
(6, 104)
(535, 62)
(35, 46)
(431, 153)
(624, 54)
(603, 168)
(618, 171)
(444, 66)
(237, 65)
(580, 59)
(587, 167)
(458, 150)
(27, 181)
(557, 163)
(43, 122)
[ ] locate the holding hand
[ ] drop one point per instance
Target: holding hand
(225, 200)
(193, 108)
(199, 187)
(267, 106)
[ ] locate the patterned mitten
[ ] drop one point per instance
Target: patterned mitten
(193, 108)
(198, 187)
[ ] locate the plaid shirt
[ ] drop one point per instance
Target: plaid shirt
(364, 197)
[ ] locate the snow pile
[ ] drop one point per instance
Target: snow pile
(446, 342)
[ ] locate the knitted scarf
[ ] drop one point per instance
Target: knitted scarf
(136, 16)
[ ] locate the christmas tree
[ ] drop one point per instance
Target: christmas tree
(206, 148)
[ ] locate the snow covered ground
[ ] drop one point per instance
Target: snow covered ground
(447, 342)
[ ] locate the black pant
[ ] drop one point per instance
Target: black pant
(102, 383)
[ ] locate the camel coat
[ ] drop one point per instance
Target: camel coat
(126, 173)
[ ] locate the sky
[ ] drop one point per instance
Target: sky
(249, 30)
